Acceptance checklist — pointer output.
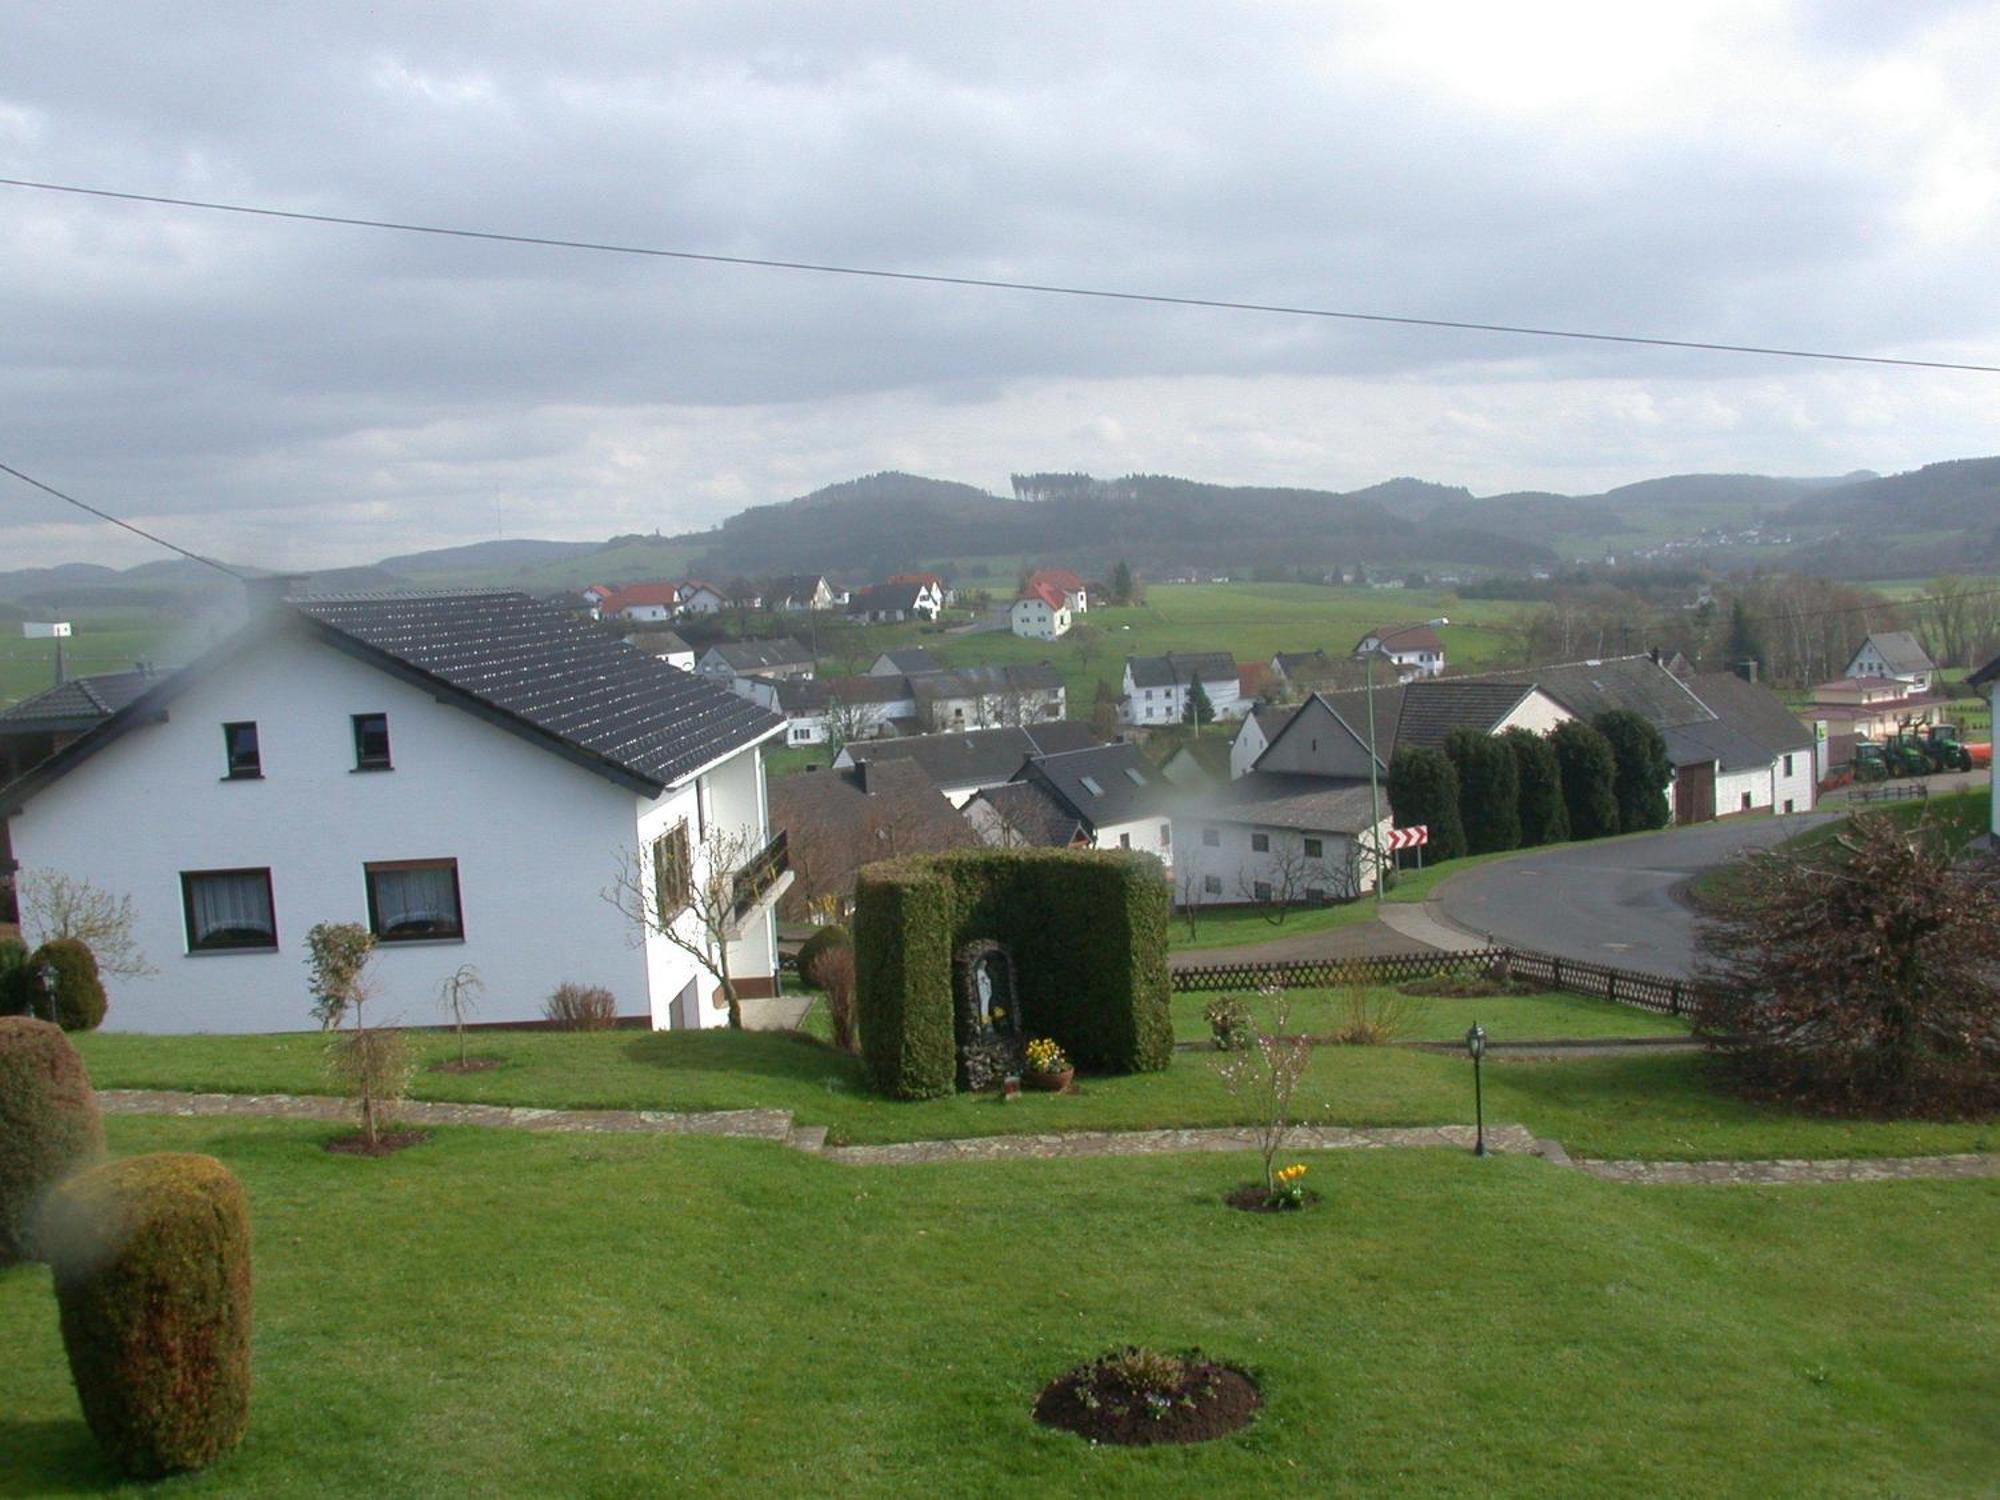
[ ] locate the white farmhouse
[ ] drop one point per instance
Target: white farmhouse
(699, 598)
(1158, 689)
(1897, 655)
(1413, 650)
(465, 773)
(1040, 614)
(1103, 797)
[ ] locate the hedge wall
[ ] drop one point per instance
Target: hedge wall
(1088, 931)
(49, 1126)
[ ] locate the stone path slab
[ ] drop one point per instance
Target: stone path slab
(779, 1126)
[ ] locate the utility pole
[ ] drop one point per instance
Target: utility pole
(1374, 780)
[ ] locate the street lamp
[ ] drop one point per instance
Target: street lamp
(1475, 1043)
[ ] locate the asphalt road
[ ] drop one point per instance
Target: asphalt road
(1612, 902)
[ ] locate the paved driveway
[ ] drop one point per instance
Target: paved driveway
(1613, 902)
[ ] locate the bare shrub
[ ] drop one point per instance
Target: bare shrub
(581, 1007)
(1373, 1017)
(374, 1066)
(458, 997)
(1265, 1073)
(833, 972)
(55, 905)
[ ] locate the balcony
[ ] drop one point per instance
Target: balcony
(764, 878)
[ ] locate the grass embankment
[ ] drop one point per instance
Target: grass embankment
(1646, 1106)
(509, 1314)
(1959, 817)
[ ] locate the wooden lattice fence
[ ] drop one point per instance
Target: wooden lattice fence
(1643, 991)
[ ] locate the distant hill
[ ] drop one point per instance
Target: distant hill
(1964, 493)
(483, 556)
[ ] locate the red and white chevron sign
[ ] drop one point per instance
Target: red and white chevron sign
(1409, 838)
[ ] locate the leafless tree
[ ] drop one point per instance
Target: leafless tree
(458, 997)
(848, 722)
(1289, 873)
(56, 905)
(685, 890)
(1264, 1075)
(1191, 894)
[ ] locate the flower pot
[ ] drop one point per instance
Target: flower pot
(1053, 1083)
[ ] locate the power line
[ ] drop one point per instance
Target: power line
(104, 515)
(995, 283)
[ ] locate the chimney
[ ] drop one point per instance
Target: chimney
(1655, 654)
(861, 778)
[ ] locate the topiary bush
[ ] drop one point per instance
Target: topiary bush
(49, 1126)
(1538, 777)
(1489, 791)
(152, 1272)
(1644, 769)
(833, 936)
(68, 990)
(1088, 933)
(14, 977)
(1589, 772)
(1423, 789)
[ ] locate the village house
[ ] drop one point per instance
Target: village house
(798, 593)
(35, 728)
(699, 598)
(637, 603)
(774, 657)
(1159, 689)
(946, 594)
(1103, 797)
(1412, 650)
(819, 711)
(665, 645)
(838, 819)
(961, 764)
(1040, 614)
(888, 603)
(908, 661)
(1897, 655)
(986, 697)
(465, 773)
(1075, 593)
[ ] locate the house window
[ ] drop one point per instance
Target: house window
(371, 742)
(1316, 895)
(1788, 804)
(1166, 834)
(1211, 885)
(1788, 771)
(239, 742)
(1124, 841)
(410, 900)
(228, 911)
(1260, 843)
(1211, 838)
(1261, 890)
(1746, 803)
(1315, 849)
(673, 871)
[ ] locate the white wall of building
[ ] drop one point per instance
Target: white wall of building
(536, 839)
(1538, 713)
(1226, 872)
(1032, 619)
(1741, 791)
(1795, 779)
(1152, 835)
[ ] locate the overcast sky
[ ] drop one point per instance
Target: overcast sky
(1819, 175)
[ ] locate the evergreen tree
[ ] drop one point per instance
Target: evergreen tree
(1423, 788)
(1199, 710)
(1489, 791)
(1589, 779)
(1544, 818)
(1742, 644)
(1644, 771)
(1121, 583)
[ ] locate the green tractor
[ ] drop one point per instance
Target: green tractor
(1907, 754)
(1870, 762)
(1945, 750)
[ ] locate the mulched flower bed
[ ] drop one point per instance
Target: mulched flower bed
(1251, 1198)
(1137, 1397)
(1466, 987)
(470, 1065)
(387, 1142)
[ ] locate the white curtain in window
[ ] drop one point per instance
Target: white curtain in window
(406, 898)
(230, 903)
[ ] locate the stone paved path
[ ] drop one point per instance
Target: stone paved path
(778, 1125)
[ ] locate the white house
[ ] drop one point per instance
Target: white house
(818, 711)
(1894, 654)
(1158, 689)
(1075, 594)
(640, 603)
(1414, 650)
(962, 764)
(906, 661)
(699, 598)
(891, 602)
(1040, 615)
(665, 645)
(778, 656)
(799, 593)
(1102, 797)
(987, 697)
(464, 773)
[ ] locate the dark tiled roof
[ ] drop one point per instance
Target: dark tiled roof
(1102, 785)
(550, 672)
(803, 694)
(979, 756)
(1178, 667)
(1036, 814)
(1405, 638)
(1286, 800)
(973, 682)
(1211, 752)
(1288, 662)
(1986, 674)
(793, 588)
(838, 820)
(914, 661)
(1711, 739)
(78, 703)
(1351, 708)
(758, 656)
(884, 597)
(1589, 688)
(1753, 711)
(1432, 708)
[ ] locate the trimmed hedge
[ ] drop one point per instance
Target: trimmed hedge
(1088, 932)
(152, 1270)
(834, 936)
(1544, 817)
(1489, 791)
(1644, 769)
(49, 1126)
(1423, 788)
(1589, 773)
(66, 988)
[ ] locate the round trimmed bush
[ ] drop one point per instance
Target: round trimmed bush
(71, 993)
(152, 1270)
(14, 977)
(834, 936)
(49, 1126)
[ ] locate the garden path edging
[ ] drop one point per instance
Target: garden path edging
(779, 1126)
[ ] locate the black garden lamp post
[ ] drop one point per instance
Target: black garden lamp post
(1475, 1043)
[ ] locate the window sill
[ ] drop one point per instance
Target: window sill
(228, 952)
(419, 942)
(369, 770)
(244, 776)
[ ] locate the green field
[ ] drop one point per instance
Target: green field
(105, 641)
(502, 1313)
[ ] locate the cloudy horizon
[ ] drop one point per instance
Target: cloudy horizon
(295, 395)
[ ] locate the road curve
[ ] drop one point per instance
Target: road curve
(1611, 902)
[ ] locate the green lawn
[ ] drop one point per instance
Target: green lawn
(506, 1314)
(105, 641)
(1648, 1106)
